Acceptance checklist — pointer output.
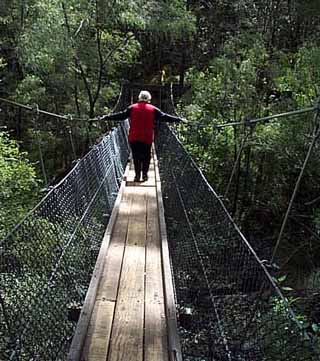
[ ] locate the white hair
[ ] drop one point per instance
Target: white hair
(144, 96)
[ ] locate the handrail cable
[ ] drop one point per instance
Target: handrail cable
(270, 117)
(248, 122)
(69, 117)
(59, 116)
(252, 122)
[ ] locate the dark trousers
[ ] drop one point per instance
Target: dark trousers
(141, 153)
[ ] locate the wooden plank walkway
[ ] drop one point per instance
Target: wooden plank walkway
(129, 312)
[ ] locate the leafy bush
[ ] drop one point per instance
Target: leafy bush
(18, 184)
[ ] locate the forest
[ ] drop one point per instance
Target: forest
(235, 61)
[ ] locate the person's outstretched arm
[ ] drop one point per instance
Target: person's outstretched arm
(118, 116)
(164, 117)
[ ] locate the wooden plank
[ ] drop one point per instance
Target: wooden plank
(127, 333)
(111, 273)
(156, 346)
(86, 311)
(97, 340)
(172, 328)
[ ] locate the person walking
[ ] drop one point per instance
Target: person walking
(143, 117)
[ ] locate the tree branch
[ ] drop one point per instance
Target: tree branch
(76, 58)
(79, 28)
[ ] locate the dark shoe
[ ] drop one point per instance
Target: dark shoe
(145, 177)
(136, 179)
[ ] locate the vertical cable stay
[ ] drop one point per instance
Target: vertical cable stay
(36, 118)
(173, 102)
(69, 117)
(237, 161)
(120, 98)
(314, 136)
(72, 143)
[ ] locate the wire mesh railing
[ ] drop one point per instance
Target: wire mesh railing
(46, 262)
(229, 307)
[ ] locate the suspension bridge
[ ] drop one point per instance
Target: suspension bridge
(107, 269)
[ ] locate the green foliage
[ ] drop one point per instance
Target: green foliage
(72, 54)
(30, 90)
(18, 184)
(171, 18)
(43, 46)
(282, 335)
(300, 74)
(226, 91)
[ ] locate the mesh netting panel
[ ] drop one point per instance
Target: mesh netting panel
(228, 306)
(47, 261)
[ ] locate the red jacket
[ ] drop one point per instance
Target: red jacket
(142, 122)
